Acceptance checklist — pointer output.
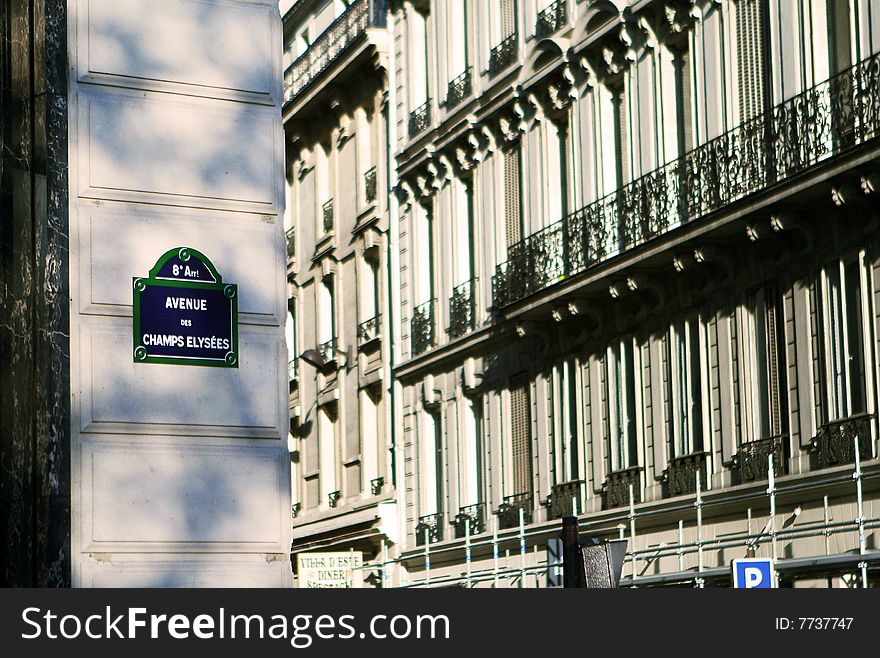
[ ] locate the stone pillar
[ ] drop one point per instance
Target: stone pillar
(180, 473)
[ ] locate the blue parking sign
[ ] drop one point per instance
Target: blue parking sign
(753, 573)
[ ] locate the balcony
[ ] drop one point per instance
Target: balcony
(458, 90)
(617, 487)
(420, 119)
(753, 459)
(368, 330)
(462, 308)
(681, 474)
(290, 238)
(503, 55)
(470, 519)
(564, 499)
(370, 187)
(509, 510)
(328, 350)
(820, 123)
(836, 441)
(430, 528)
(422, 328)
(327, 216)
(551, 20)
(332, 42)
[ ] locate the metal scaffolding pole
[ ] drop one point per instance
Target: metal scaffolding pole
(699, 505)
(427, 559)
(467, 548)
(384, 564)
(495, 554)
(771, 490)
(860, 515)
(522, 547)
(632, 531)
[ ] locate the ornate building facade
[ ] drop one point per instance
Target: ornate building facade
(335, 118)
(629, 270)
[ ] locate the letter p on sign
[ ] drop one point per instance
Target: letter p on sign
(753, 573)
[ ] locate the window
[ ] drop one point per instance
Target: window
(458, 15)
(761, 373)
(327, 459)
(464, 232)
(564, 402)
(424, 255)
(369, 302)
(290, 339)
(324, 186)
(556, 170)
(521, 436)
(326, 311)
(684, 390)
(366, 170)
(309, 445)
(839, 36)
(431, 472)
(471, 461)
(843, 293)
(371, 431)
(418, 52)
(620, 394)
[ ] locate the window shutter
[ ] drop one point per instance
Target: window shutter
(773, 378)
(508, 18)
(750, 58)
(521, 448)
(512, 207)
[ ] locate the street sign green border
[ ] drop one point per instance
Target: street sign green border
(230, 290)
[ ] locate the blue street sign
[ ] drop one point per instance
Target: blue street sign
(184, 313)
(753, 573)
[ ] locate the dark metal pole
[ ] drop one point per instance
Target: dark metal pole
(570, 552)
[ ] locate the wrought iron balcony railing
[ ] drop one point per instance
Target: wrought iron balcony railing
(470, 519)
(332, 42)
(836, 441)
(459, 88)
(328, 217)
(503, 55)
(564, 499)
(290, 237)
(822, 122)
(753, 459)
(368, 330)
(370, 188)
(422, 328)
(509, 510)
(462, 307)
(617, 486)
(327, 349)
(681, 473)
(429, 527)
(420, 118)
(551, 19)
